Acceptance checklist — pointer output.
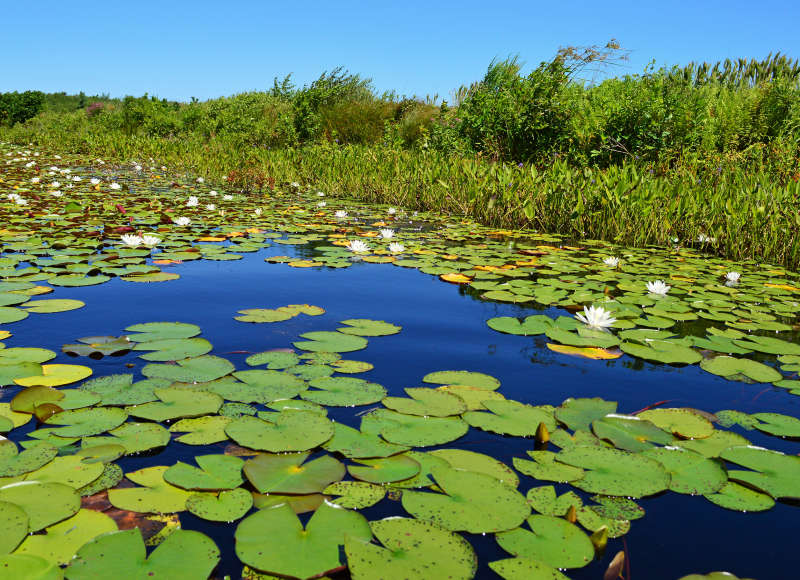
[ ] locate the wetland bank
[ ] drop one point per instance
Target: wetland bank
(362, 356)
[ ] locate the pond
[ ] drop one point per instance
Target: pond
(661, 426)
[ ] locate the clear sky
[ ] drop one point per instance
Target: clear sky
(177, 49)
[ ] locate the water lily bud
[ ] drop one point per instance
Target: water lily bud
(572, 514)
(542, 434)
(599, 539)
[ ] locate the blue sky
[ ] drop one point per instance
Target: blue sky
(178, 49)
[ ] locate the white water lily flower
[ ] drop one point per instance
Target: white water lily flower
(391, 211)
(396, 248)
(115, 185)
(211, 207)
(387, 233)
(35, 179)
(595, 317)
(13, 196)
(200, 180)
(704, 239)
(212, 193)
(21, 201)
(732, 276)
(658, 287)
(611, 261)
(357, 246)
(76, 178)
(55, 184)
(138, 168)
(131, 240)
(53, 168)
(294, 185)
(181, 221)
(320, 194)
(258, 211)
(94, 181)
(56, 193)
(321, 204)
(340, 213)
(192, 201)
(150, 240)
(30, 164)
(227, 197)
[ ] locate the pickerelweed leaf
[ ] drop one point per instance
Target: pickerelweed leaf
(411, 549)
(301, 553)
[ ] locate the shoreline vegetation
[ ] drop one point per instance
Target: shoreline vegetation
(706, 156)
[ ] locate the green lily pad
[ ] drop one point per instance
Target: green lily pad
(662, 351)
(355, 444)
(177, 403)
(183, 555)
(216, 472)
(9, 314)
(473, 502)
(326, 341)
(578, 414)
(689, 472)
(55, 375)
(545, 467)
(63, 539)
(201, 430)
(353, 494)
(13, 526)
(737, 497)
(27, 567)
(53, 305)
(365, 327)
(343, 392)
(545, 501)
(479, 463)
(384, 469)
(301, 553)
(155, 495)
(713, 446)
(680, 422)
(769, 345)
(465, 378)
(411, 549)
(730, 368)
(13, 464)
(525, 569)
(284, 431)
(70, 470)
(511, 418)
(87, 422)
(351, 366)
(17, 370)
(630, 433)
(169, 349)
(43, 503)
(25, 354)
(615, 472)
(134, 437)
(773, 472)
(290, 473)
(228, 506)
(583, 337)
(530, 326)
(551, 540)
(111, 476)
(273, 360)
(120, 390)
(426, 402)
(199, 370)
(777, 424)
(412, 430)
(151, 331)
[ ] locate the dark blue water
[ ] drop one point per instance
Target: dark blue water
(443, 328)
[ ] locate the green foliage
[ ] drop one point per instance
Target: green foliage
(19, 107)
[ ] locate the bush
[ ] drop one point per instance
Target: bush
(19, 107)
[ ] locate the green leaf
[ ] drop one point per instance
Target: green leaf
(43, 503)
(551, 540)
(155, 495)
(365, 327)
(773, 472)
(191, 370)
(411, 430)
(411, 549)
(216, 472)
(284, 431)
(228, 506)
(465, 378)
(63, 540)
(289, 473)
(426, 402)
(511, 418)
(325, 341)
(731, 368)
(343, 392)
(184, 555)
(301, 553)
(176, 403)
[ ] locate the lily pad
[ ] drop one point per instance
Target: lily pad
(156, 495)
(175, 403)
(201, 430)
(228, 506)
(734, 496)
(689, 472)
(365, 327)
(680, 422)
(426, 402)
(290, 473)
(326, 341)
(730, 368)
(43, 503)
(465, 378)
(511, 418)
(411, 549)
(384, 469)
(343, 392)
(301, 553)
(151, 331)
(63, 540)
(354, 494)
(199, 370)
(56, 375)
(551, 540)
(284, 431)
(87, 422)
(216, 472)
(773, 472)
(411, 430)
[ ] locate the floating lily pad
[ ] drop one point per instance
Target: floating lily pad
(551, 540)
(384, 469)
(201, 430)
(134, 437)
(411, 549)
(43, 503)
(120, 390)
(578, 414)
(183, 555)
(777, 424)
(27, 567)
(730, 368)
(773, 472)
(151, 331)
(13, 526)
(545, 467)
(155, 495)
(273, 360)
(465, 378)
(662, 351)
(169, 349)
(681, 422)
(355, 494)
(175, 403)
(689, 472)
(411, 430)
(284, 431)
(289, 473)
(615, 472)
(479, 463)
(737, 497)
(87, 422)
(326, 341)
(199, 370)
(511, 418)
(531, 325)
(525, 569)
(55, 376)
(473, 502)
(630, 433)
(365, 327)
(53, 305)
(13, 464)
(301, 553)
(63, 540)
(228, 506)
(343, 392)
(426, 402)
(216, 472)
(355, 444)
